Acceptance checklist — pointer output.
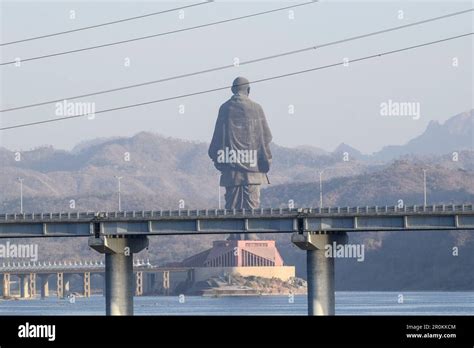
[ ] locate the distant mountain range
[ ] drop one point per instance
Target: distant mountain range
(456, 134)
(158, 172)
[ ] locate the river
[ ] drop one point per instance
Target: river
(347, 303)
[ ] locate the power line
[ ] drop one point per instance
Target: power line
(227, 87)
(453, 14)
(287, 53)
(159, 34)
(105, 24)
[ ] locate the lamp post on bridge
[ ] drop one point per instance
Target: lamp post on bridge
(321, 183)
(119, 192)
(219, 192)
(424, 187)
(21, 194)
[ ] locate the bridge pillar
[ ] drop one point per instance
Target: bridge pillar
(87, 284)
(32, 283)
(60, 285)
(24, 285)
(44, 284)
(320, 269)
(6, 284)
(119, 287)
(139, 285)
(166, 282)
(190, 276)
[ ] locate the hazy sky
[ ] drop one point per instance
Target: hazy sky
(339, 104)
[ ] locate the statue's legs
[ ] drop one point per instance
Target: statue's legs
(242, 197)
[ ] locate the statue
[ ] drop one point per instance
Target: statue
(240, 150)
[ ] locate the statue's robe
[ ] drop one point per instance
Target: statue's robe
(241, 126)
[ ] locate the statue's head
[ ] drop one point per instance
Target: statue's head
(241, 86)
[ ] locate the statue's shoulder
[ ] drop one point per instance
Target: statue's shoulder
(227, 103)
(245, 101)
(256, 106)
(251, 103)
(224, 107)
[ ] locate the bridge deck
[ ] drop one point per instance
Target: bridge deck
(223, 221)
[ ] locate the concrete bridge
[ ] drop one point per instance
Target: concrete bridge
(29, 274)
(121, 234)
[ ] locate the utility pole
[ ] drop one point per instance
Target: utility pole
(21, 194)
(424, 187)
(119, 192)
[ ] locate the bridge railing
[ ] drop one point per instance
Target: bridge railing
(150, 214)
(62, 265)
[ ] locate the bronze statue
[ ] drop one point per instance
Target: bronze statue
(240, 150)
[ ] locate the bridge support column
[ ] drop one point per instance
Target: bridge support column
(139, 285)
(87, 284)
(320, 268)
(60, 285)
(32, 284)
(119, 287)
(6, 284)
(44, 284)
(166, 282)
(190, 276)
(24, 285)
